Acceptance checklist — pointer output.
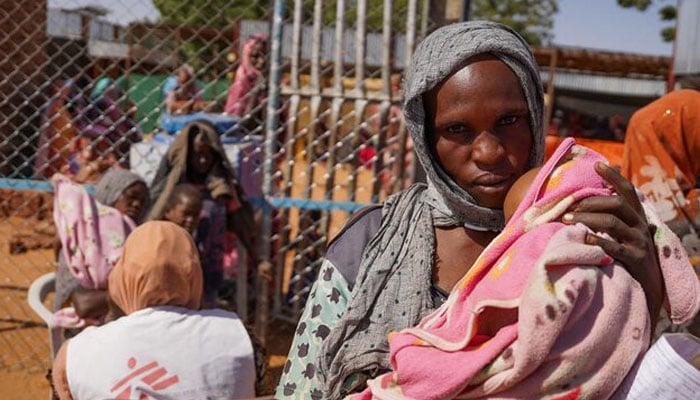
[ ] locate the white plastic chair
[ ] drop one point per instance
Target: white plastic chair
(36, 295)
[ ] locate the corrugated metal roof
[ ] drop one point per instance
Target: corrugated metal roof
(613, 63)
(637, 87)
(687, 50)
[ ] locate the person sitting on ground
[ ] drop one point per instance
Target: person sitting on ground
(184, 207)
(89, 163)
(112, 129)
(164, 346)
(88, 250)
(182, 93)
(539, 300)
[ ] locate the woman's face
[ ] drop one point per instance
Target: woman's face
(201, 156)
(479, 129)
(257, 55)
(132, 201)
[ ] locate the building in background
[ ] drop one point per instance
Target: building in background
(686, 59)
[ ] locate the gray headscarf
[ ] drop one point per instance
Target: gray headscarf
(437, 57)
(113, 183)
(392, 287)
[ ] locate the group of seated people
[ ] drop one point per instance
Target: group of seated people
(149, 262)
(86, 125)
(89, 126)
(171, 265)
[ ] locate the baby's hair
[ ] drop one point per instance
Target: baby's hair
(180, 191)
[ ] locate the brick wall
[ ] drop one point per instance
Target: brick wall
(22, 59)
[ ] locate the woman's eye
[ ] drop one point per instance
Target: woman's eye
(509, 120)
(457, 129)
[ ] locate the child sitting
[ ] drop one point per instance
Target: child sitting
(184, 207)
(542, 313)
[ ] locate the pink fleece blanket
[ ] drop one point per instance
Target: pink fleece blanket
(541, 314)
(92, 236)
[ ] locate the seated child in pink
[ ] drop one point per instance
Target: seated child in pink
(541, 314)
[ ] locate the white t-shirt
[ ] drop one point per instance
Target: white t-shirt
(163, 353)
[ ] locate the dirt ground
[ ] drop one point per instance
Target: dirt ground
(24, 356)
(24, 359)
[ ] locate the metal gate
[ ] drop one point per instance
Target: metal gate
(334, 133)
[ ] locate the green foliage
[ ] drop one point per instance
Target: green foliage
(210, 13)
(374, 14)
(668, 34)
(640, 5)
(667, 13)
(533, 19)
(208, 59)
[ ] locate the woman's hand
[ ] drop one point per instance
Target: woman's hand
(90, 303)
(622, 217)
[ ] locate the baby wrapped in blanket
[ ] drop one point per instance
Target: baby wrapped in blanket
(541, 314)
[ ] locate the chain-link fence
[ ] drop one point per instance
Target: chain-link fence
(304, 94)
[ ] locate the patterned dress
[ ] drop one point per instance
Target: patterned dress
(326, 304)
(328, 301)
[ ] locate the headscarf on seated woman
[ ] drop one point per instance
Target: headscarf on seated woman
(91, 232)
(164, 273)
(159, 287)
(173, 169)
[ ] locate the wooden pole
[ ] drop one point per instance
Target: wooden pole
(550, 86)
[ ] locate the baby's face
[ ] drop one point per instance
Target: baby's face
(185, 213)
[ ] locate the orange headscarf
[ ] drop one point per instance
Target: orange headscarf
(159, 266)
